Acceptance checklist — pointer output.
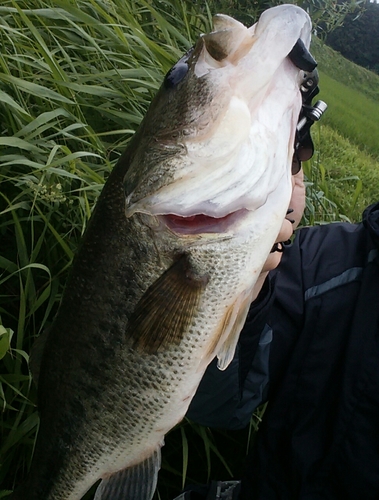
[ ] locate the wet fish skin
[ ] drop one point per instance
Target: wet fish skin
(148, 305)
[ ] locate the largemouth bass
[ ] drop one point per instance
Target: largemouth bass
(163, 279)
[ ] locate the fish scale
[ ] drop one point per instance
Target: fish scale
(162, 281)
(157, 377)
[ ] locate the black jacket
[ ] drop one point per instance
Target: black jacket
(312, 349)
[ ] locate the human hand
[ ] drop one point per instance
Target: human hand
(297, 202)
(290, 223)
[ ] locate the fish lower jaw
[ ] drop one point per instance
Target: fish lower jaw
(201, 223)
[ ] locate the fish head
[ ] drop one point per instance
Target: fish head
(218, 138)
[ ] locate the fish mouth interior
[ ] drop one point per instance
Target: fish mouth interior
(201, 223)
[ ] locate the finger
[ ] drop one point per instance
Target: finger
(274, 258)
(297, 202)
(285, 232)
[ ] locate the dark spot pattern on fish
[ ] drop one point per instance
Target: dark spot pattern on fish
(113, 379)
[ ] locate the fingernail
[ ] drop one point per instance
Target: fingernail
(278, 247)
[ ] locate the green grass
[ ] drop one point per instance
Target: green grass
(347, 159)
(353, 114)
(76, 77)
(343, 179)
(331, 63)
(75, 81)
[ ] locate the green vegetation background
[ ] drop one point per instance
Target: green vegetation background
(76, 78)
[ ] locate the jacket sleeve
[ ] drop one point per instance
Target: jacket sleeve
(227, 399)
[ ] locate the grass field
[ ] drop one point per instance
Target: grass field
(352, 113)
(343, 178)
(75, 80)
(347, 142)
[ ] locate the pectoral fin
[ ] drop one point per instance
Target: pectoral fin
(165, 311)
(134, 483)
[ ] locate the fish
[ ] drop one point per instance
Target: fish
(162, 282)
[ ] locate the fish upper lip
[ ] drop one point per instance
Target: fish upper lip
(201, 223)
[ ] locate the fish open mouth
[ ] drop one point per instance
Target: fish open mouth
(201, 223)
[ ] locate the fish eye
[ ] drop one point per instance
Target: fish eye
(177, 72)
